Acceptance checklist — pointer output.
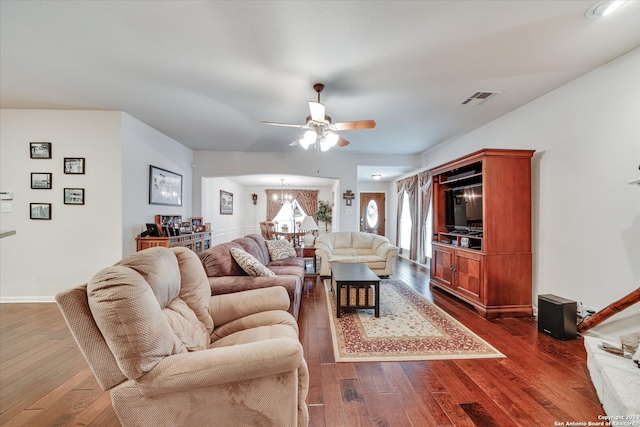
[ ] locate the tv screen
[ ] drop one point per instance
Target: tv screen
(463, 207)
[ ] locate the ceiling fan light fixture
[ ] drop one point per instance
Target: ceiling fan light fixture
(330, 140)
(604, 8)
(308, 139)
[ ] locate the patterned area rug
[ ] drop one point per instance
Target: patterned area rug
(409, 328)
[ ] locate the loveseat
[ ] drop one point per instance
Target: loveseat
(173, 355)
(227, 276)
(354, 246)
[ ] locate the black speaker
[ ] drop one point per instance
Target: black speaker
(557, 317)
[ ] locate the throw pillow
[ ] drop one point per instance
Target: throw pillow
(250, 264)
(279, 249)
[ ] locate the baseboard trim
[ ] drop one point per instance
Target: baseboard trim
(38, 299)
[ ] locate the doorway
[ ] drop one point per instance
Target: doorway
(372, 213)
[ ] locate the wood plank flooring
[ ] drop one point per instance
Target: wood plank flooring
(45, 381)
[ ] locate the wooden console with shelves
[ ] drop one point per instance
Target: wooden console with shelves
(197, 242)
(484, 259)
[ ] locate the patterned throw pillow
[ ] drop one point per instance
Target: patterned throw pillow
(250, 264)
(279, 249)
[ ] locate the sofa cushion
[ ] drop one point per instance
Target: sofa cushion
(131, 320)
(279, 249)
(255, 247)
(217, 261)
(250, 264)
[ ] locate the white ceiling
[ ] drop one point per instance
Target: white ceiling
(207, 72)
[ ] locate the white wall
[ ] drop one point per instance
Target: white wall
(586, 217)
(142, 146)
(332, 164)
(46, 257)
(224, 227)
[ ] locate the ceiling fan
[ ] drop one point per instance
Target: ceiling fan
(320, 130)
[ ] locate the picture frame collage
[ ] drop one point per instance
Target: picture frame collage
(173, 225)
(44, 180)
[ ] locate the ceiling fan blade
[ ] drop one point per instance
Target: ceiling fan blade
(317, 111)
(359, 124)
(294, 143)
(283, 124)
(342, 142)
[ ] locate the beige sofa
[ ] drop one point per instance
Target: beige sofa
(354, 246)
(173, 355)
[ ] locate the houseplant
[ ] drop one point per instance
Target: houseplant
(324, 213)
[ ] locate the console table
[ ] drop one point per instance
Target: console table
(197, 242)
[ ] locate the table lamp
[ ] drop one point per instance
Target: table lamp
(309, 226)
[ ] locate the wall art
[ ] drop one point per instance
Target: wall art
(165, 187)
(41, 180)
(226, 203)
(40, 211)
(74, 165)
(40, 150)
(74, 196)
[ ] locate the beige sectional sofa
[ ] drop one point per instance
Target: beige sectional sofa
(227, 276)
(353, 246)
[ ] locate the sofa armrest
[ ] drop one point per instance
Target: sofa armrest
(242, 362)
(228, 307)
(386, 251)
(324, 252)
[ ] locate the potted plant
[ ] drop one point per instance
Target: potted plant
(324, 213)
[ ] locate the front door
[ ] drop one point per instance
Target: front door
(372, 213)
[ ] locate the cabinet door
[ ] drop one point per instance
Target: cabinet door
(468, 273)
(442, 259)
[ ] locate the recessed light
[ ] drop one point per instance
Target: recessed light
(376, 176)
(604, 8)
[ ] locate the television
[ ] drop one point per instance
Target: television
(463, 208)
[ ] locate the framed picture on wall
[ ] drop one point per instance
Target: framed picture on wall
(74, 196)
(40, 211)
(74, 165)
(226, 203)
(165, 187)
(41, 180)
(40, 150)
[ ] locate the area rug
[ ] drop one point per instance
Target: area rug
(409, 328)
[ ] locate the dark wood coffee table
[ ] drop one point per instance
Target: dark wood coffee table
(356, 275)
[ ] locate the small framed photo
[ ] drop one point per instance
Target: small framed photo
(197, 224)
(165, 187)
(74, 165)
(40, 150)
(74, 196)
(226, 203)
(41, 180)
(40, 211)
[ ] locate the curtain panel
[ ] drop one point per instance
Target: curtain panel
(409, 186)
(424, 182)
(307, 199)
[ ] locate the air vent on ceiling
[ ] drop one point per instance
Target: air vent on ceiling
(480, 98)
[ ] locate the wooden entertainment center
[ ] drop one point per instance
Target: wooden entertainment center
(487, 260)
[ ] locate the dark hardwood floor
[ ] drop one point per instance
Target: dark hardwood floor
(45, 381)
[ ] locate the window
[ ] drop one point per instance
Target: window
(285, 215)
